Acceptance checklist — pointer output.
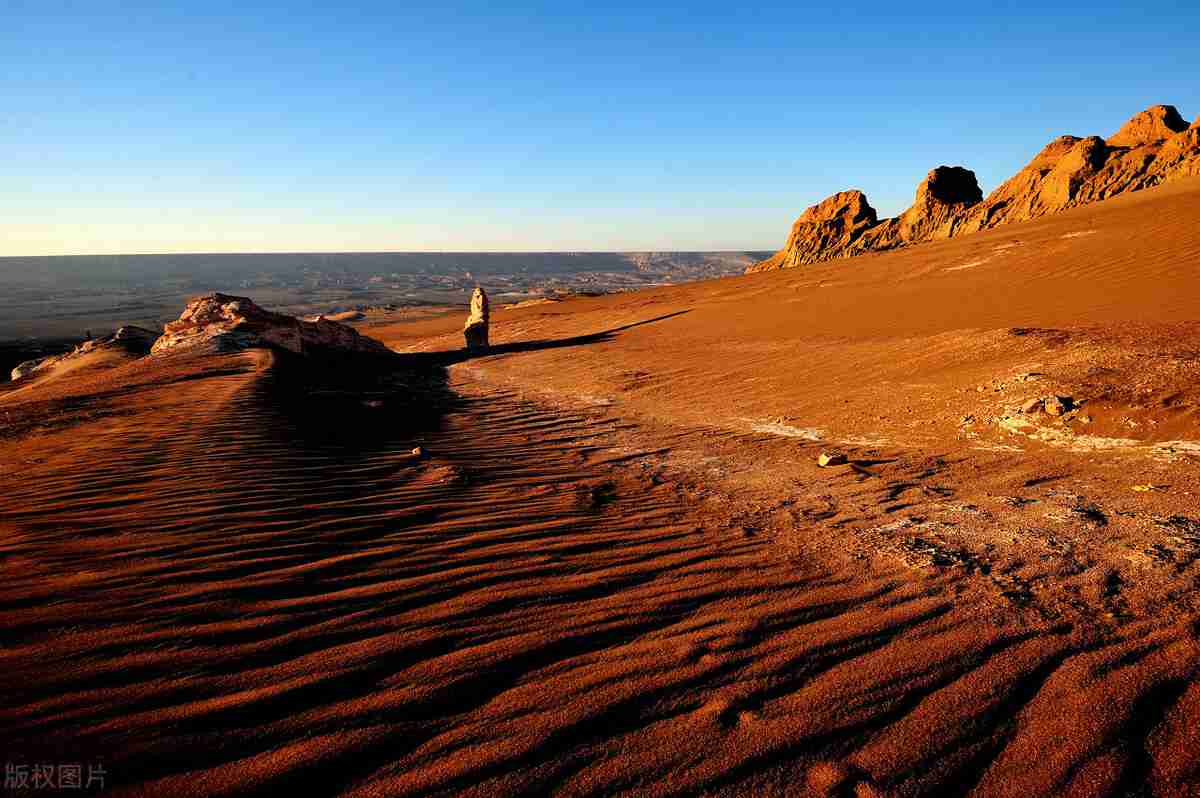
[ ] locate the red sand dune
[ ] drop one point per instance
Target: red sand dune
(617, 567)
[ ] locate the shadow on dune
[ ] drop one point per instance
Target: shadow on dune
(453, 356)
(359, 404)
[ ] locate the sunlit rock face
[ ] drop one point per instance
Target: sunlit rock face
(475, 331)
(1155, 146)
(227, 323)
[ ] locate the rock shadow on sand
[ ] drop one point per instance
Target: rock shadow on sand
(451, 357)
(381, 401)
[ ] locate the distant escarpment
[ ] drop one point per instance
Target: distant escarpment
(1154, 147)
(229, 323)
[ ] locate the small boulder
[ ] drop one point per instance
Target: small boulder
(1032, 406)
(1058, 405)
(136, 339)
(28, 367)
(826, 459)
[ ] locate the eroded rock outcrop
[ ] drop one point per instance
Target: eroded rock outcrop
(1155, 146)
(830, 229)
(27, 367)
(942, 197)
(845, 224)
(130, 340)
(1156, 123)
(229, 323)
(475, 331)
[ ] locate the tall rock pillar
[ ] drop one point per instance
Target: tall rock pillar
(476, 328)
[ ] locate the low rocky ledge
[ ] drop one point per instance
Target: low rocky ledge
(228, 323)
(134, 340)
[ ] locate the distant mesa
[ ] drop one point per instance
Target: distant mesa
(128, 340)
(1156, 146)
(225, 323)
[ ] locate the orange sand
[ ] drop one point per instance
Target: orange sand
(618, 569)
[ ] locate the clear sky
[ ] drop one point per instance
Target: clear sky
(237, 126)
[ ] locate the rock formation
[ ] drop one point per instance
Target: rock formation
(476, 328)
(845, 224)
(1154, 147)
(830, 229)
(132, 340)
(229, 323)
(1156, 123)
(942, 197)
(27, 367)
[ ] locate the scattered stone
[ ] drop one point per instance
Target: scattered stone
(1091, 513)
(826, 459)
(598, 495)
(476, 329)
(1032, 406)
(1058, 405)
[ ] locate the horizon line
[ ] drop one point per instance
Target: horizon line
(396, 252)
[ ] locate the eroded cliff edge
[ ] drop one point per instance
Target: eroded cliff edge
(1156, 146)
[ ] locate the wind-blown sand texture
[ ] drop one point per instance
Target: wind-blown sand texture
(616, 567)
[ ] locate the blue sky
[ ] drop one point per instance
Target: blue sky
(221, 126)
